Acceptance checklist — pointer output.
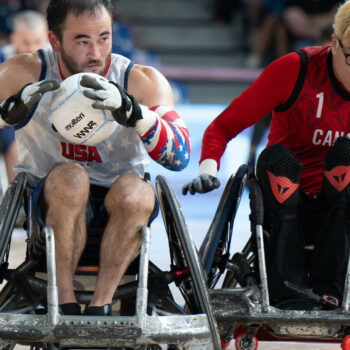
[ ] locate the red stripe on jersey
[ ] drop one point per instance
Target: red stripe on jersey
(108, 65)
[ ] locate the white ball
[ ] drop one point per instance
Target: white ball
(73, 116)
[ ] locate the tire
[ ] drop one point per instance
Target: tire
(215, 249)
(9, 209)
(246, 343)
(10, 298)
(183, 255)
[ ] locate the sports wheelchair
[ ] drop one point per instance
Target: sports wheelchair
(147, 315)
(241, 304)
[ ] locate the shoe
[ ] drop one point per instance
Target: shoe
(105, 310)
(72, 309)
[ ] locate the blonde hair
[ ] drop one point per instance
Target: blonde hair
(341, 23)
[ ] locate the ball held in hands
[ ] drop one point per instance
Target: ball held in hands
(109, 95)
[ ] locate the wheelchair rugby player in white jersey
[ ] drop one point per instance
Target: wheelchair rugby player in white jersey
(64, 175)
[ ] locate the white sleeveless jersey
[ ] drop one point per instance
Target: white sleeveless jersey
(40, 147)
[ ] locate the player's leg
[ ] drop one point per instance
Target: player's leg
(332, 244)
(63, 202)
(278, 171)
(129, 204)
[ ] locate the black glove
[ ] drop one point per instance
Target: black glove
(17, 108)
(109, 95)
(201, 184)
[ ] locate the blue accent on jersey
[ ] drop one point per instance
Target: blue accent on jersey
(43, 65)
(126, 76)
(2, 58)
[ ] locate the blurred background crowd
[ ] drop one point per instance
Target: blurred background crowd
(210, 50)
(272, 28)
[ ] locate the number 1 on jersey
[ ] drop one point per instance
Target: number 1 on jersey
(320, 96)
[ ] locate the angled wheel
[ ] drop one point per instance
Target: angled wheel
(215, 249)
(9, 209)
(187, 270)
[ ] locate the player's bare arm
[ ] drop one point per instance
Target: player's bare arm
(27, 68)
(21, 93)
(150, 87)
(147, 106)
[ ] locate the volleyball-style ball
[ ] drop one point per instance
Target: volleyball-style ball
(73, 116)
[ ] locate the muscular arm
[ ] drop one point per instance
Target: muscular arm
(17, 72)
(271, 89)
(162, 131)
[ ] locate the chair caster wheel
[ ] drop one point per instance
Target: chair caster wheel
(345, 345)
(245, 342)
(225, 345)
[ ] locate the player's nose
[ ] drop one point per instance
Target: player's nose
(94, 51)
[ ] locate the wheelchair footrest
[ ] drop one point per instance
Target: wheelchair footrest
(102, 336)
(21, 333)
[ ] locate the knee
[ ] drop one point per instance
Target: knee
(338, 154)
(278, 171)
(280, 161)
(130, 201)
(336, 167)
(69, 181)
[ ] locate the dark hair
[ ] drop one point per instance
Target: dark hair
(58, 10)
(326, 33)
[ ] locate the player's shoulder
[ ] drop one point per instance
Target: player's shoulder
(141, 72)
(290, 58)
(288, 64)
(19, 71)
(149, 86)
(30, 63)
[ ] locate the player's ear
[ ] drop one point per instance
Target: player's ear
(334, 44)
(54, 41)
(12, 38)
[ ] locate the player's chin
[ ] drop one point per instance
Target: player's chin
(97, 69)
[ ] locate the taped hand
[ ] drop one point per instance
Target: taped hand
(108, 95)
(201, 184)
(17, 108)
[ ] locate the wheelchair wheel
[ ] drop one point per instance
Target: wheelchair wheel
(9, 209)
(246, 343)
(188, 272)
(215, 249)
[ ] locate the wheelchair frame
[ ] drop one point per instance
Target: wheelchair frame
(249, 306)
(218, 317)
(149, 327)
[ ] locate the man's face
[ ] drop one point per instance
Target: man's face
(86, 43)
(29, 40)
(341, 60)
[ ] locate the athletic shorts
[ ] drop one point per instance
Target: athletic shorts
(7, 137)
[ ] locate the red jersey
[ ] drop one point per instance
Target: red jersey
(310, 109)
